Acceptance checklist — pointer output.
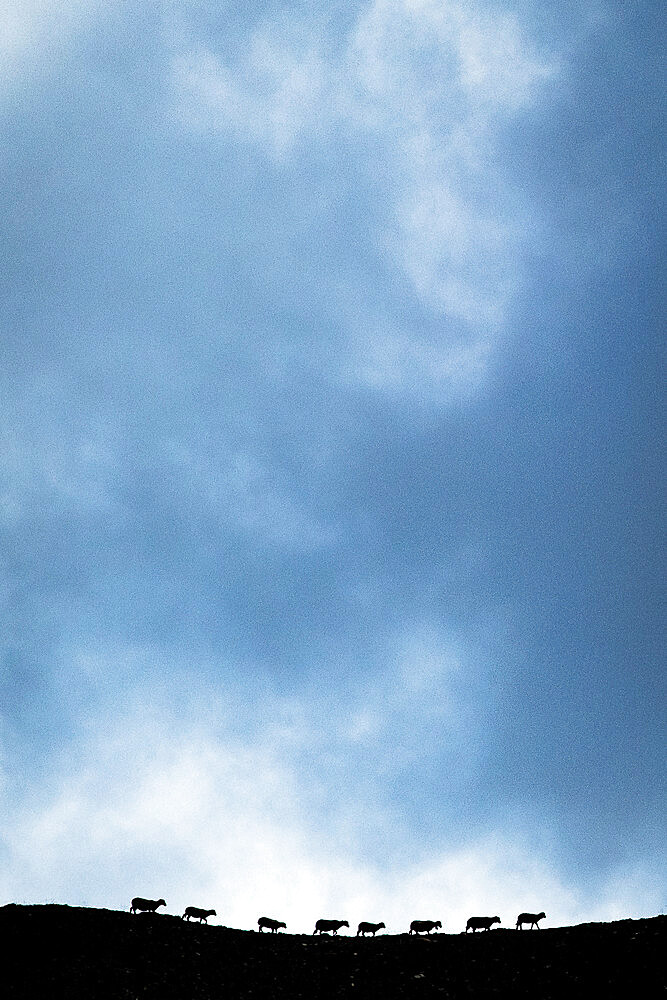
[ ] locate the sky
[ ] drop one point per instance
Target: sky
(331, 471)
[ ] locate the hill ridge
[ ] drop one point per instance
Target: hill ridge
(79, 952)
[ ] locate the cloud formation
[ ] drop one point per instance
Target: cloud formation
(329, 459)
(423, 87)
(156, 803)
(35, 35)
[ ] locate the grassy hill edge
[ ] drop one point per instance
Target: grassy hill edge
(78, 952)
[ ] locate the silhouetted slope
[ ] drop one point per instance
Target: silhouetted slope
(87, 954)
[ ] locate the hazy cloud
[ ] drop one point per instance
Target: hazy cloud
(239, 491)
(35, 34)
(425, 85)
(155, 804)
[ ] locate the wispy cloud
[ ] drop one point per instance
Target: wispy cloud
(425, 86)
(35, 34)
(271, 98)
(242, 493)
(433, 368)
(50, 457)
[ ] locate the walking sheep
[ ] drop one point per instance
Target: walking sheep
(417, 926)
(273, 925)
(529, 918)
(196, 913)
(366, 928)
(329, 925)
(150, 905)
(481, 923)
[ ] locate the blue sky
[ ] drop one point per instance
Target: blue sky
(331, 465)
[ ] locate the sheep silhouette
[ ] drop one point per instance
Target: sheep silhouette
(529, 918)
(149, 905)
(481, 923)
(367, 928)
(272, 925)
(322, 926)
(424, 926)
(196, 913)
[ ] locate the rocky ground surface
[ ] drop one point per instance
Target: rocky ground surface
(55, 951)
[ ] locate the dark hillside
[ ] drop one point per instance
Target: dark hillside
(73, 953)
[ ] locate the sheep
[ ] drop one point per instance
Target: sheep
(139, 903)
(481, 923)
(529, 918)
(366, 928)
(417, 926)
(329, 925)
(195, 912)
(273, 925)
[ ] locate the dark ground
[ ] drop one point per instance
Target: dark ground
(73, 953)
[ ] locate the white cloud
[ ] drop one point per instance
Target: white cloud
(270, 99)
(498, 68)
(426, 49)
(35, 34)
(244, 493)
(425, 84)
(49, 457)
(431, 369)
(226, 794)
(155, 806)
(458, 248)
(387, 716)
(223, 797)
(53, 458)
